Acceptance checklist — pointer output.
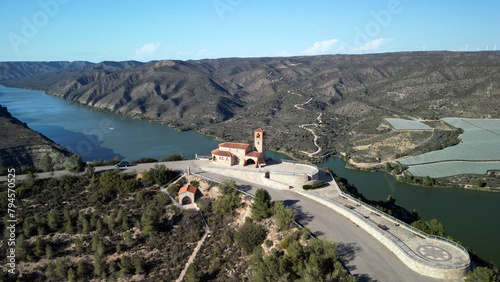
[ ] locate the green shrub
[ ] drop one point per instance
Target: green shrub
(483, 274)
(249, 236)
(314, 186)
(284, 215)
(261, 207)
(174, 158)
(160, 175)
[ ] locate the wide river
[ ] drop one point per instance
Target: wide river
(469, 216)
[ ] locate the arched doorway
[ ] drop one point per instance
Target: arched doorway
(250, 161)
(186, 200)
(267, 174)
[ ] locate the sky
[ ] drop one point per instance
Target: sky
(95, 31)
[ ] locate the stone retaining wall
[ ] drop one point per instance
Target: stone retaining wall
(253, 176)
(275, 179)
(415, 265)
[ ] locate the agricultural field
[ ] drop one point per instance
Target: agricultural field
(406, 124)
(451, 168)
(478, 152)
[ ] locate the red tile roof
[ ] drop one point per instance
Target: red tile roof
(234, 145)
(218, 152)
(253, 154)
(187, 188)
(259, 130)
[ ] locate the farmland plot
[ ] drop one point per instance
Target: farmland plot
(445, 169)
(480, 142)
(405, 124)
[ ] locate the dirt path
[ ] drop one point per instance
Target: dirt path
(303, 126)
(298, 106)
(315, 140)
(195, 251)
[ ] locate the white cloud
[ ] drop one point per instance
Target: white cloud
(322, 32)
(284, 53)
(202, 51)
(321, 47)
(147, 50)
(374, 44)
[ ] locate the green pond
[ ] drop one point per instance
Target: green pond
(469, 216)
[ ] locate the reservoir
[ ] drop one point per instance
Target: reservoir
(468, 216)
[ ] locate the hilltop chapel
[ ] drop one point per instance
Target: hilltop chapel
(242, 154)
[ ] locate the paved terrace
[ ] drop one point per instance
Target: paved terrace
(436, 252)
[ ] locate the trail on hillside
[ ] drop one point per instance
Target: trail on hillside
(303, 126)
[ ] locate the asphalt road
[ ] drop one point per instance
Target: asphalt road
(362, 254)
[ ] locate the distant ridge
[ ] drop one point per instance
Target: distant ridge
(224, 97)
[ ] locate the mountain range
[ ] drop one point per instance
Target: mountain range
(339, 98)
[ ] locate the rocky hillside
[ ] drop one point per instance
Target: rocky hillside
(22, 146)
(230, 97)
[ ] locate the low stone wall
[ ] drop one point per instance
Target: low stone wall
(424, 269)
(296, 180)
(253, 176)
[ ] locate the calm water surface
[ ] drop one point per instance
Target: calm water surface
(469, 216)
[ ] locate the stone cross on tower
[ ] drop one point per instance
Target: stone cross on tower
(260, 140)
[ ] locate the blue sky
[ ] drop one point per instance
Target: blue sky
(49, 30)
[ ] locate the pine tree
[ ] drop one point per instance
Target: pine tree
(99, 227)
(113, 268)
(191, 275)
(262, 205)
(52, 221)
(28, 227)
(38, 219)
(101, 249)
(125, 265)
(46, 163)
(61, 269)
(95, 242)
(71, 275)
(125, 225)
(79, 222)
(49, 252)
(68, 223)
(39, 247)
(284, 216)
(68, 227)
(110, 221)
(21, 247)
(129, 242)
(93, 221)
(50, 270)
(99, 265)
(139, 267)
(149, 220)
(82, 270)
(120, 216)
(78, 246)
(85, 226)
(41, 230)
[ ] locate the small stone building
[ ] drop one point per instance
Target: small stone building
(230, 154)
(187, 194)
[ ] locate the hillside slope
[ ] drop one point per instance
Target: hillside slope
(22, 146)
(229, 97)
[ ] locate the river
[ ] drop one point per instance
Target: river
(469, 216)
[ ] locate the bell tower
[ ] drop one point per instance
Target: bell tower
(260, 140)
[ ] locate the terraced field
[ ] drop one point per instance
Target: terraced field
(478, 152)
(406, 124)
